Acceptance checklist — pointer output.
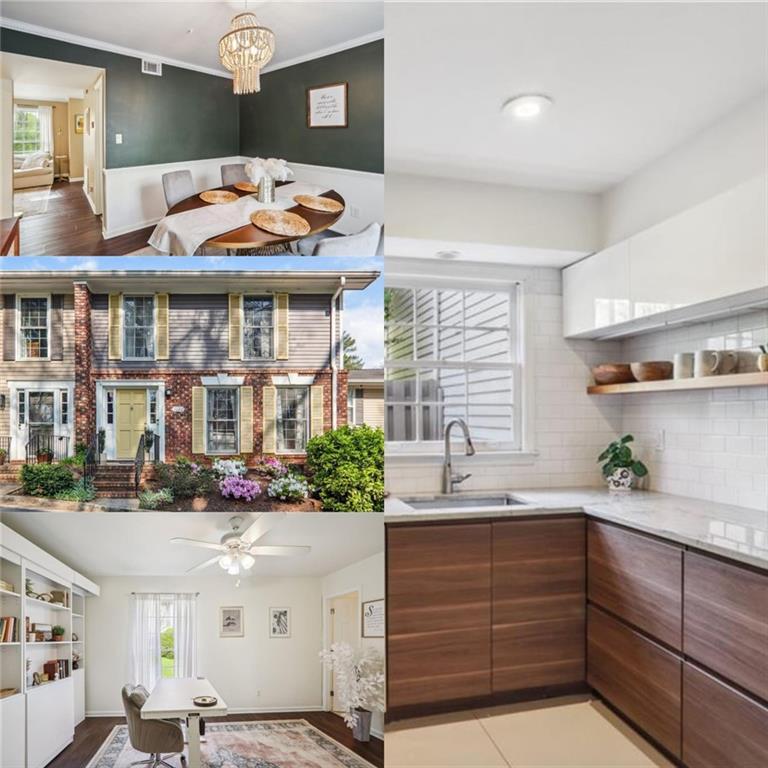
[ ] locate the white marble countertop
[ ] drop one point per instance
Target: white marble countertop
(737, 533)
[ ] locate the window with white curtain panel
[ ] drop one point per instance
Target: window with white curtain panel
(452, 351)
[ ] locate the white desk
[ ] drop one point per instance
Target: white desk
(172, 697)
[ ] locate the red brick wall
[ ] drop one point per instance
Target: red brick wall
(85, 390)
(178, 426)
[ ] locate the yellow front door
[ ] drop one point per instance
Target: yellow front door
(131, 420)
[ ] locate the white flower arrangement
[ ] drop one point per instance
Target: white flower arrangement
(289, 487)
(271, 168)
(229, 468)
(359, 679)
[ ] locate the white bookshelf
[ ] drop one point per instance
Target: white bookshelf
(12, 705)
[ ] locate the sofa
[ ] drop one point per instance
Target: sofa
(34, 170)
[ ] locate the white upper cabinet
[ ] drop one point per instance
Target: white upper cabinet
(709, 252)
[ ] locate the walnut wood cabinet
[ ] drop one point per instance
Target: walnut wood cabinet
(538, 603)
(635, 675)
(726, 621)
(638, 579)
(722, 728)
(438, 613)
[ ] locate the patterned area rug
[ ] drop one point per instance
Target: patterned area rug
(32, 201)
(257, 744)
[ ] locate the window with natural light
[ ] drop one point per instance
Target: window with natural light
(452, 353)
(257, 327)
(139, 326)
(292, 418)
(27, 137)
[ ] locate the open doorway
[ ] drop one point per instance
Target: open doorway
(342, 626)
(57, 149)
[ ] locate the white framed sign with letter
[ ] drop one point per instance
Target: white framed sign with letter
(373, 618)
(327, 106)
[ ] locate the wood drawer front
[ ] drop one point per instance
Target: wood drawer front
(722, 728)
(636, 578)
(638, 677)
(438, 613)
(726, 621)
(538, 603)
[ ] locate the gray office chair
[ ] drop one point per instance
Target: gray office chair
(177, 185)
(329, 243)
(232, 173)
(151, 736)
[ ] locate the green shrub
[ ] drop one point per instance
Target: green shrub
(46, 479)
(78, 460)
(185, 479)
(347, 468)
(155, 499)
(82, 491)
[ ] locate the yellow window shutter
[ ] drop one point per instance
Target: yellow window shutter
(198, 419)
(235, 326)
(246, 419)
(316, 426)
(281, 326)
(269, 415)
(161, 329)
(115, 327)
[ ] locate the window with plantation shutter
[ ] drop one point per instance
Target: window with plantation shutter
(198, 420)
(452, 353)
(269, 420)
(246, 419)
(161, 330)
(281, 324)
(235, 326)
(115, 327)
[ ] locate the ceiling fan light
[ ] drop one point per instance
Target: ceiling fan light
(247, 561)
(225, 561)
(234, 569)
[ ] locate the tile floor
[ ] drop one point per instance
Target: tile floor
(573, 732)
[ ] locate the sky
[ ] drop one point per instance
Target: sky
(363, 310)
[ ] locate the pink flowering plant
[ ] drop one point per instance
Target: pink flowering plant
(236, 487)
(272, 467)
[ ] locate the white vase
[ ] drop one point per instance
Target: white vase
(621, 480)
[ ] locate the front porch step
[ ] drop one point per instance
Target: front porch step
(115, 480)
(130, 494)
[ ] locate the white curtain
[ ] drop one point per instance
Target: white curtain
(185, 636)
(46, 128)
(145, 640)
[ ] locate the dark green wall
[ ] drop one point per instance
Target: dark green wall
(273, 122)
(183, 115)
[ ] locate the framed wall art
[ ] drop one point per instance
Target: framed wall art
(231, 621)
(279, 622)
(373, 618)
(327, 106)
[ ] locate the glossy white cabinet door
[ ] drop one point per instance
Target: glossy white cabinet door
(596, 291)
(12, 728)
(50, 721)
(78, 678)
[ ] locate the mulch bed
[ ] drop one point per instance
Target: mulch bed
(216, 503)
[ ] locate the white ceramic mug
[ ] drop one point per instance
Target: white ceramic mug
(708, 362)
(683, 365)
(728, 362)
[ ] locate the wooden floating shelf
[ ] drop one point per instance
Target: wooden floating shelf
(673, 385)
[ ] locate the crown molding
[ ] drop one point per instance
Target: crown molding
(88, 42)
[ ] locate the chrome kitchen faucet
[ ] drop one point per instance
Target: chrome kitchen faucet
(450, 481)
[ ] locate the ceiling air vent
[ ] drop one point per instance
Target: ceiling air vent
(152, 67)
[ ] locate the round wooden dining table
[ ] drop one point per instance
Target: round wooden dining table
(250, 237)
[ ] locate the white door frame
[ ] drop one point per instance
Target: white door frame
(20, 434)
(327, 635)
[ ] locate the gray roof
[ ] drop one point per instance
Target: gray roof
(372, 375)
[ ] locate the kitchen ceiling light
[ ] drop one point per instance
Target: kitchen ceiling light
(244, 50)
(527, 106)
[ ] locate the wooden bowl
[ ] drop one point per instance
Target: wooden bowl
(655, 371)
(218, 196)
(612, 373)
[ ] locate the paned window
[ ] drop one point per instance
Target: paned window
(292, 419)
(33, 327)
(258, 331)
(139, 327)
(221, 417)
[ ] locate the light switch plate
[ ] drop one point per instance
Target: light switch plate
(118, 138)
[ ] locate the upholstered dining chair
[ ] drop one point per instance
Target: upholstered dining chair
(232, 173)
(329, 243)
(151, 736)
(177, 185)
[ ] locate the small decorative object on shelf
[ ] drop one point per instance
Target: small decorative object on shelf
(76, 661)
(762, 359)
(6, 586)
(29, 588)
(621, 468)
(652, 371)
(58, 633)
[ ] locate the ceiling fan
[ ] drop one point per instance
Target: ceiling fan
(237, 550)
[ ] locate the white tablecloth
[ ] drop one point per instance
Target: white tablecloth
(181, 234)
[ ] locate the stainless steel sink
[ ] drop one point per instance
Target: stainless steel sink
(462, 502)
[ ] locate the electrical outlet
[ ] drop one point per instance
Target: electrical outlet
(661, 439)
(118, 138)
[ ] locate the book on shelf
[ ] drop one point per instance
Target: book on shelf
(6, 586)
(8, 629)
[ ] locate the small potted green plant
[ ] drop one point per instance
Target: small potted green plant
(45, 456)
(621, 467)
(3, 454)
(58, 633)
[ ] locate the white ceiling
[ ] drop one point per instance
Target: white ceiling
(46, 80)
(162, 28)
(630, 81)
(137, 544)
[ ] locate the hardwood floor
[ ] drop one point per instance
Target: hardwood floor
(92, 732)
(70, 228)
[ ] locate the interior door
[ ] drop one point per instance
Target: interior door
(344, 629)
(131, 420)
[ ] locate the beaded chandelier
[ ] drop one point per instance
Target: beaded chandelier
(244, 50)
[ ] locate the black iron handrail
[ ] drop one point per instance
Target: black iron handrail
(92, 458)
(138, 462)
(54, 446)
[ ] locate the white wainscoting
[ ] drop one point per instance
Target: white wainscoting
(134, 196)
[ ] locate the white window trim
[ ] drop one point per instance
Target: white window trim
(236, 389)
(308, 425)
(272, 357)
(123, 297)
(19, 340)
(523, 381)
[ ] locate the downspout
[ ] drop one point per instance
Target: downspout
(336, 339)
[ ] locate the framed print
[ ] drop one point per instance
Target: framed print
(231, 621)
(327, 106)
(79, 123)
(373, 618)
(279, 622)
